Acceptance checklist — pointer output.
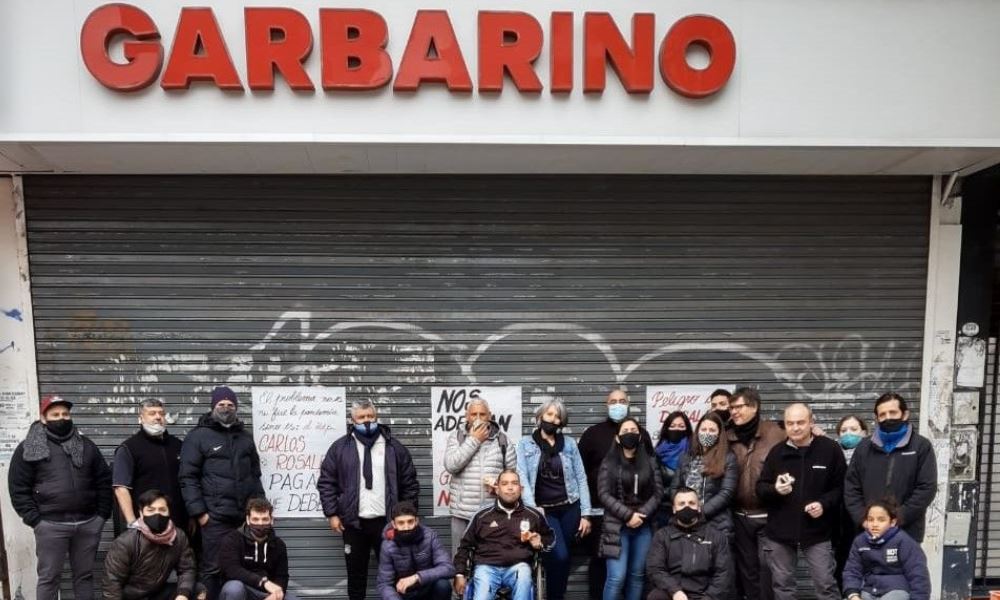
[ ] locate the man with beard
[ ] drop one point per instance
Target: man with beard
(61, 487)
(688, 560)
(499, 544)
(413, 564)
(149, 460)
(895, 462)
(751, 439)
(363, 476)
(219, 472)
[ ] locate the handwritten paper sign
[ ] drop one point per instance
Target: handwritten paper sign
(448, 414)
(293, 428)
(661, 400)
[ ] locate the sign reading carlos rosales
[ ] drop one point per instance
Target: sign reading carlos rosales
(448, 406)
(353, 46)
(692, 400)
(293, 428)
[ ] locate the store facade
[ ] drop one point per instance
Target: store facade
(401, 198)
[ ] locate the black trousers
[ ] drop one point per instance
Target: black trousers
(597, 572)
(359, 543)
(753, 576)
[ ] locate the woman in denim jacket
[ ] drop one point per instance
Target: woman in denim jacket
(554, 481)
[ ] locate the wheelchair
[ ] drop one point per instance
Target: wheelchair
(505, 592)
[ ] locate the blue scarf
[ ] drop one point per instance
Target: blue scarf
(670, 453)
(891, 440)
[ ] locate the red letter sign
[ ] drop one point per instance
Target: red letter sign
(561, 53)
(602, 41)
(143, 53)
(278, 39)
(508, 41)
(354, 56)
(432, 34)
(197, 30)
(713, 35)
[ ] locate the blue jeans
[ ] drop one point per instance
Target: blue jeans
(237, 590)
(487, 579)
(630, 565)
(564, 521)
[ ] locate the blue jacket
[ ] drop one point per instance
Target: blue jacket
(892, 562)
(339, 482)
(575, 478)
(427, 558)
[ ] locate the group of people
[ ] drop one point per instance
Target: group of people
(712, 511)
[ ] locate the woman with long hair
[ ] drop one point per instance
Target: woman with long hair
(630, 489)
(710, 469)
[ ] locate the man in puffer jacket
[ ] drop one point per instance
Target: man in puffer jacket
(253, 559)
(413, 564)
(142, 558)
(60, 486)
(476, 454)
(219, 472)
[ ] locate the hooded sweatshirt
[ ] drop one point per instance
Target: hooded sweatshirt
(245, 558)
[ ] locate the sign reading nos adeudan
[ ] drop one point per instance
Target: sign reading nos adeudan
(353, 51)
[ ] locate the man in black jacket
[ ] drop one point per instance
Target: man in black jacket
(594, 445)
(895, 462)
(687, 556)
(219, 472)
(801, 486)
(253, 560)
(148, 460)
(363, 475)
(60, 485)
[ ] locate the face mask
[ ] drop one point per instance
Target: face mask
(891, 425)
(259, 531)
(225, 416)
(406, 537)
(674, 435)
(724, 415)
(850, 440)
(630, 441)
(708, 439)
(687, 516)
(60, 427)
(617, 412)
(549, 428)
(157, 523)
(367, 429)
(155, 429)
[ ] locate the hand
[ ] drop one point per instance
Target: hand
(335, 524)
(635, 521)
(406, 583)
(783, 488)
(817, 431)
(203, 519)
(814, 509)
(679, 595)
(179, 597)
(535, 539)
(276, 593)
(584, 527)
(481, 432)
(459, 585)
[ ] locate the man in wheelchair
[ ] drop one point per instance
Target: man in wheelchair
(499, 545)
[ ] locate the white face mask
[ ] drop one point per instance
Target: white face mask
(154, 429)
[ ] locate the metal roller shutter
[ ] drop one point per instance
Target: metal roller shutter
(810, 288)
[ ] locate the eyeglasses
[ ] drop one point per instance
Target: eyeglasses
(733, 407)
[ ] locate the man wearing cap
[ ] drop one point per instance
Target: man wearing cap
(219, 472)
(60, 485)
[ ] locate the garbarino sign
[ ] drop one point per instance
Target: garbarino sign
(354, 57)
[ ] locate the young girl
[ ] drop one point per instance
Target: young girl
(885, 563)
(710, 469)
(630, 489)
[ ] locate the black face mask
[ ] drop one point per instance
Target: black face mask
(60, 427)
(891, 425)
(630, 441)
(675, 435)
(157, 523)
(406, 537)
(723, 414)
(687, 516)
(548, 428)
(259, 531)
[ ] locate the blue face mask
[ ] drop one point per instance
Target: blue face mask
(850, 440)
(617, 412)
(369, 428)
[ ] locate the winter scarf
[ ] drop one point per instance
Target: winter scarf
(165, 538)
(891, 440)
(670, 453)
(36, 447)
(747, 431)
(367, 441)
